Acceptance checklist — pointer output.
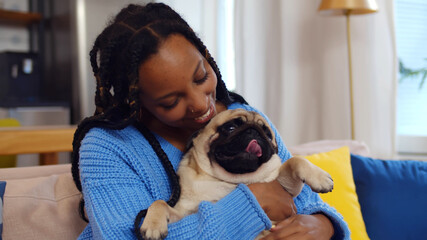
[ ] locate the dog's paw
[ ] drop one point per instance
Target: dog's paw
(154, 230)
(155, 224)
(153, 234)
(320, 181)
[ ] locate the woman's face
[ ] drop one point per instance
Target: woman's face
(178, 85)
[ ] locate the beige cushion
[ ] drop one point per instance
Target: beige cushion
(41, 203)
(356, 147)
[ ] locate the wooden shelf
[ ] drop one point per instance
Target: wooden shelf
(19, 18)
(48, 139)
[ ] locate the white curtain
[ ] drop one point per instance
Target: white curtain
(292, 63)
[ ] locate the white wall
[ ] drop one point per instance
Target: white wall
(201, 15)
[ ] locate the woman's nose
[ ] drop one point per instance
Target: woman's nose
(198, 103)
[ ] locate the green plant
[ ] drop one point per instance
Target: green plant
(406, 72)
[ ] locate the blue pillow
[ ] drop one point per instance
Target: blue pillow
(2, 188)
(392, 196)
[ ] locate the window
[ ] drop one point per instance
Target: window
(411, 37)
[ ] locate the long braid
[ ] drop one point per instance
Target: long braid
(176, 190)
(84, 127)
(95, 69)
(106, 112)
(135, 59)
(105, 75)
(130, 38)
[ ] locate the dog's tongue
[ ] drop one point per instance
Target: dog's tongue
(254, 148)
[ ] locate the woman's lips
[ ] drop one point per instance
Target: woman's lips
(207, 116)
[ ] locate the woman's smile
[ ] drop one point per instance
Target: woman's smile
(208, 115)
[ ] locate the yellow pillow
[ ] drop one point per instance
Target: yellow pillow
(8, 161)
(343, 197)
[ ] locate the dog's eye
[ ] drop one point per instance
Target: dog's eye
(228, 128)
(231, 125)
(231, 128)
(267, 132)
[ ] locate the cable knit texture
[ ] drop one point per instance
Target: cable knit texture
(121, 175)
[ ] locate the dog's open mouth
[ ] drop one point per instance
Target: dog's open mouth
(254, 148)
(240, 156)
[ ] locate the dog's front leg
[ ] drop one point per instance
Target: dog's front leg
(155, 225)
(297, 170)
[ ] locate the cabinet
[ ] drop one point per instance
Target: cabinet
(21, 73)
(48, 25)
(50, 37)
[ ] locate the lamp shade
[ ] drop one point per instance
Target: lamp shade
(343, 7)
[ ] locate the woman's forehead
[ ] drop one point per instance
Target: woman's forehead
(177, 59)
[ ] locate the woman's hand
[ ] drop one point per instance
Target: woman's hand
(301, 227)
(276, 202)
(279, 206)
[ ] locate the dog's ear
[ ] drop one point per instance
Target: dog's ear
(190, 141)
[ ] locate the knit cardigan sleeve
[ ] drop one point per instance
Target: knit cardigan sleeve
(121, 175)
(307, 202)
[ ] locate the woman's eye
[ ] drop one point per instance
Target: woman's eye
(202, 80)
(170, 106)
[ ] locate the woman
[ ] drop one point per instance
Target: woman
(156, 85)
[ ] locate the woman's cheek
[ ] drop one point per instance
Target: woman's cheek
(173, 115)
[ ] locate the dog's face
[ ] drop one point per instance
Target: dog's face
(236, 144)
(243, 144)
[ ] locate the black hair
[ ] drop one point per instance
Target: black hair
(134, 35)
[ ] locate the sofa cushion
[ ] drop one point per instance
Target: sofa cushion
(2, 188)
(393, 197)
(356, 147)
(41, 207)
(343, 197)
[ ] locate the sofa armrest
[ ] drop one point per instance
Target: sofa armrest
(32, 172)
(41, 203)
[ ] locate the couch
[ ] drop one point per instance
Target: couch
(380, 199)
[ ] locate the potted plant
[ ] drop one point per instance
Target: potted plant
(406, 72)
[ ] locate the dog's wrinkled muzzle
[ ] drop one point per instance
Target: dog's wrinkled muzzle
(241, 147)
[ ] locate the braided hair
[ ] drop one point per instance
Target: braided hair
(129, 39)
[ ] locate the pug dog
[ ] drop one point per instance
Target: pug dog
(236, 146)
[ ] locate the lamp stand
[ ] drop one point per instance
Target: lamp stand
(350, 73)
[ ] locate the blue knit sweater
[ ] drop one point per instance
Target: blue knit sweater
(121, 175)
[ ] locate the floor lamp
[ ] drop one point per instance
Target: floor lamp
(347, 8)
